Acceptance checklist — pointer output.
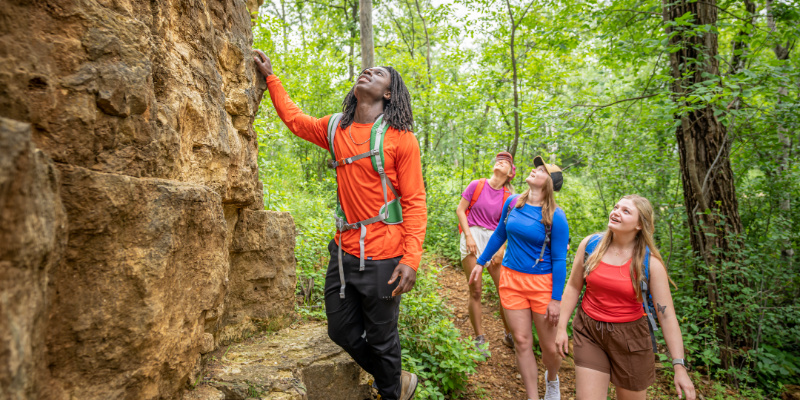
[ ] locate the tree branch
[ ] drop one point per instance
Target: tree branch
(599, 106)
(325, 4)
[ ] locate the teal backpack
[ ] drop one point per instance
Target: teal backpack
(390, 213)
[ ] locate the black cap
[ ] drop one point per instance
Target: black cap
(553, 170)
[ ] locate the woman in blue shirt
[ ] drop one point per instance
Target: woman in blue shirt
(533, 274)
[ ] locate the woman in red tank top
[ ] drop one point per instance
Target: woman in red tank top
(611, 338)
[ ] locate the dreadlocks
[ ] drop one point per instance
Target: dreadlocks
(396, 111)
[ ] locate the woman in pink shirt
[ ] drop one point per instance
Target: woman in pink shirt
(478, 215)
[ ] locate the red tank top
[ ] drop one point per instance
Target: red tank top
(610, 296)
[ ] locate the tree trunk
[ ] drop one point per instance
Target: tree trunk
(513, 148)
(515, 81)
(367, 45)
(740, 42)
(704, 147)
(427, 42)
(782, 157)
(426, 131)
(353, 16)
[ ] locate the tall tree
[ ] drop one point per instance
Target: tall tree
(782, 157)
(704, 147)
(515, 22)
(367, 42)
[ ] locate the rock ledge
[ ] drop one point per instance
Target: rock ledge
(299, 362)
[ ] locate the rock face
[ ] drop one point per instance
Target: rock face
(299, 363)
(131, 236)
(161, 89)
(260, 272)
(140, 300)
(32, 237)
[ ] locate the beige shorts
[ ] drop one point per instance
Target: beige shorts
(481, 236)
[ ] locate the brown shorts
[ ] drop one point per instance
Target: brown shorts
(623, 350)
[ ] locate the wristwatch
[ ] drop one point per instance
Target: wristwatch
(681, 361)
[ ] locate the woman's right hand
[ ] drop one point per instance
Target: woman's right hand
(472, 247)
(562, 342)
(263, 64)
(475, 274)
(683, 384)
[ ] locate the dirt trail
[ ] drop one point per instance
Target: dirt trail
(497, 378)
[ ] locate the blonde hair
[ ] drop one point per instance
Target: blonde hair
(548, 201)
(643, 240)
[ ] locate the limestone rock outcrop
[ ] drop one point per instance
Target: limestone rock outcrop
(32, 238)
(298, 363)
(132, 235)
(140, 299)
(263, 272)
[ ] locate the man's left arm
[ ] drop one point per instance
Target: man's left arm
(415, 211)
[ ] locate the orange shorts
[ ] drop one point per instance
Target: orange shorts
(519, 291)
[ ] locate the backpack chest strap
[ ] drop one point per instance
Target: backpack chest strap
(350, 160)
(342, 225)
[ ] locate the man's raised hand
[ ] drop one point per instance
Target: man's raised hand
(263, 65)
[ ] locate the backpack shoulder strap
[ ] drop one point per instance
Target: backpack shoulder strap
(506, 194)
(333, 123)
(377, 134)
(647, 299)
(594, 240)
(477, 193)
(511, 207)
(547, 230)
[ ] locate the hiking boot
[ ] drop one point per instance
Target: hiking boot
(508, 340)
(408, 385)
(552, 389)
(481, 346)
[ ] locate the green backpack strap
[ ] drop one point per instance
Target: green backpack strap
(376, 137)
(392, 209)
(333, 123)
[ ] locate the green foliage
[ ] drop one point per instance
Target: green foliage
(595, 97)
(443, 195)
(432, 346)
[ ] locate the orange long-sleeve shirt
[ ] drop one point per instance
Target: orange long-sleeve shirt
(359, 185)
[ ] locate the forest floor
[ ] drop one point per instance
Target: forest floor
(497, 377)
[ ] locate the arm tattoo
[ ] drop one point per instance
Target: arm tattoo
(661, 309)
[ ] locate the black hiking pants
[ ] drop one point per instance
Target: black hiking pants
(364, 323)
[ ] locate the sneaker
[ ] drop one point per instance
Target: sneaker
(408, 385)
(481, 346)
(508, 340)
(552, 389)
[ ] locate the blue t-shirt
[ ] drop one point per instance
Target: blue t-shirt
(525, 234)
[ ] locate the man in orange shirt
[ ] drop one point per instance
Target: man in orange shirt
(364, 285)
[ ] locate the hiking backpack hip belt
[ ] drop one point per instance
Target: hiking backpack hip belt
(390, 213)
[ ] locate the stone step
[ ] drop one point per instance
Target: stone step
(296, 363)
